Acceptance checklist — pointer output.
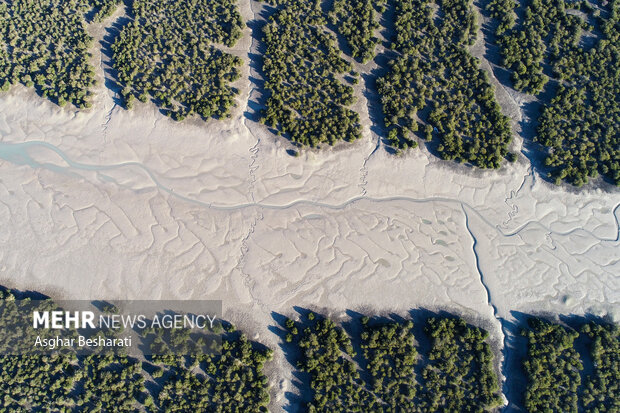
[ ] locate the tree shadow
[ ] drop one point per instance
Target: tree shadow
(299, 399)
(341, 41)
(515, 351)
(354, 329)
(111, 80)
(382, 60)
(492, 51)
(535, 152)
(583, 343)
(24, 294)
(257, 104)
(420, 317)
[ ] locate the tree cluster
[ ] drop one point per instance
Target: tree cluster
(581, 124)
(44, 45)
(390, 353)
(108, 383)
(166, 53)
(62, 380)
(103, 9)
(327, 356)
(435, 86)
(356, 20)
(392, 372)
(459, 375)
(503, 10)
(552, 367)
(306, 102)
(545, 32)
(228, 381)
(602, 387)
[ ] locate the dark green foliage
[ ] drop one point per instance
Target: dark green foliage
(552, 368)
(457, 373)
(44, 45)
(546, 31)
(326, 354)
(435, 75)
(109, 383)
(104, 8)
(232, 381)
(36, 381)
(306, 100)
(581, 125)
(64, 381)
(512, 157)
(504, 11)
(390, 354)
(459, 376)
(356, 20)
(602, 387)
(166, 52)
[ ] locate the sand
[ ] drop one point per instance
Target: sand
(110, 204)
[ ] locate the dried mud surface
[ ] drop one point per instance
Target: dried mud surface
(110, 204)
